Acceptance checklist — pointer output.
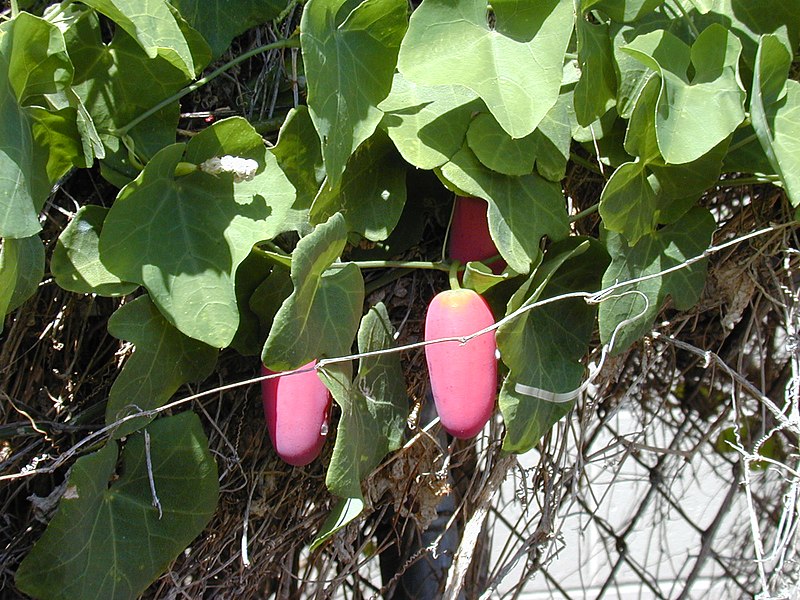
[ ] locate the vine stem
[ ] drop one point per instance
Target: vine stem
(276, 254)
(292, 42)
(590, 297)
(14, 8)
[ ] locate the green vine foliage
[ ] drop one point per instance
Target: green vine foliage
(663, 97)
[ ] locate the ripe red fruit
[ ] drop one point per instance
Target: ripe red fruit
(297, 411)
(469, 237)
(463, 377)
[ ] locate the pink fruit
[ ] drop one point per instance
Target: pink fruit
(469, 233)
(297, 411)
(463, 377)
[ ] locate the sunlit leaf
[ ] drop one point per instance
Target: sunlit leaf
(184, 237)
(428, 123)
(349, 54)
(511, 56)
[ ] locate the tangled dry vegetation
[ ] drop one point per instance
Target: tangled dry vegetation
(729, 363)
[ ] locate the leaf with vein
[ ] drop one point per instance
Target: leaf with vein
(183, 238)
(514, 64)
(162, 361)
(687, 238)
(521, 209)
(374, 407)
(21, 270)
(349, 55)
(106, 541)
(321, 316)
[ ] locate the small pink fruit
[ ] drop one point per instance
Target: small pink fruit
(297, 411)
(463, 376)
(469, 233)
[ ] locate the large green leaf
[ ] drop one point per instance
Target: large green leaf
(75, 263)
(371, 193)
(428, 123)
(33, 61)
(596, 91)
(521, 209)
(374, 407)
(499, 151)
(543, 347)
(162, 361)
(622, 10)
(693, 113)
(321, 316)
(21, 270)
(646, 192)
(631, 309)
(511, 56)
(749, 20)
(349, 54)
(107, 540)
(183, 237)
(117, 83)
(154, 27)
(219, 21)
(299, 156)
(775, 111)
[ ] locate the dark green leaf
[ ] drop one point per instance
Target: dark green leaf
(21, 270)
(374, 407)
(76, 264)
(543, 346)
(371, 193)
(321, 316)
(299, 156)
(596, 91)
(219, 21)
(163, 360)
(631, 309)
(107, 542)
(514, 63)
(428, 123)
(349, 54)
(345, 511)
(521, 209)
(775, 111)
(183, 238)
(499, 151)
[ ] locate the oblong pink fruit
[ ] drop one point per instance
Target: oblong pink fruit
(469, 237)
(297, 411)
(463, 376)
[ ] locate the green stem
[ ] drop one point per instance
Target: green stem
(398, 264)
(584, 213)
(452, 274)
(293, 42)
(742, 142)
(14, 8)
(576, 158)
(754, 180)
(688, 19)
